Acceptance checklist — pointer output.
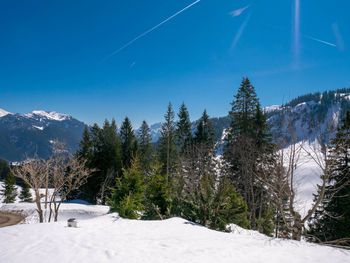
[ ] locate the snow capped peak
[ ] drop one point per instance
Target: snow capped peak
(4, 113)
(52, 115)
(271, 108)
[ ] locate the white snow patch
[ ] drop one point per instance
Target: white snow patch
(38, 127)
(52, 115)
(4, 113)
(271, 108)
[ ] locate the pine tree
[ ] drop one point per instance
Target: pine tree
(205, 131)
(129, 143)
(332, 219)
(105, 157)
(158, 194)
(85, 145)
(230, 208)
(167, 150)
(183, 129)
(9, 192)
(145, 147)
(25, 195)
(127, 196)
(247, 144)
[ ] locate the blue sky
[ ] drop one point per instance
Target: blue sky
(53, 54)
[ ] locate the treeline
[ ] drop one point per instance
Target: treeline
(183, 176)
(251, 184)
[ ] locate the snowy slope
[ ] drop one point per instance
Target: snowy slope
(112, 239)
(4, 113)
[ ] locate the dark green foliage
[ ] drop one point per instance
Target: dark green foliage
(248, 146)
(158, 194)
(183, 129)
(145, 147)
(197, 195)
(229, 207)
(332, 219)
(104, 155)
(25, 194)
(127, 196)
(167, 150)
(265, 223)
(4, 169)
(9, 192)
(85, 145)
(205, 131)
(128, 142)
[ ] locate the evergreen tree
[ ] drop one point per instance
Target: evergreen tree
(145, 147)
(158, 194)
(9, 192)
(205, 131)
(4, 169)
(105, 157)
(183, 128)
(230, 208)
(129, 143)
(247, 144)
(85, 145)
(167, 150)
(25, 194)
(332, 219)
(127, 196)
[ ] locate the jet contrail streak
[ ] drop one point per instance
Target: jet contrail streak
(150, 30)
(322, 41)
(296, 32)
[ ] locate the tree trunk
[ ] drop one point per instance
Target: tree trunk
(297, 228)
(38, 205)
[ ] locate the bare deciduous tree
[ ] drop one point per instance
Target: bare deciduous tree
(281, 179)
(34, 172)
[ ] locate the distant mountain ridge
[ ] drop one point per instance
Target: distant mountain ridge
(23, 135)
(305, 112)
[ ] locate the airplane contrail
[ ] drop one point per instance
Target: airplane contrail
(150, 30)
(322, 41)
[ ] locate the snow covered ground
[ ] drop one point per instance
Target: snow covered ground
(66, 211)
(109, 238)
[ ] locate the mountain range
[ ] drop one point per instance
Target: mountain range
(23, 135)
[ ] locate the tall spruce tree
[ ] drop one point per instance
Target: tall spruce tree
(205, 131)
(145, 147)
(183, 128)
(167, 150)
(85, 145)
(9, 192)
(332, 219)
(129, 143)
(247, 141)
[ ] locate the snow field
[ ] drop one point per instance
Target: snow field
(110, 238)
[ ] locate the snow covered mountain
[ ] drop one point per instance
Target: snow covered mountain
(31, 133)
(4, 113)
(24, 135)
(307, 113)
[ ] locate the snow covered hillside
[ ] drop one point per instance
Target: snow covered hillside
(110, 238)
